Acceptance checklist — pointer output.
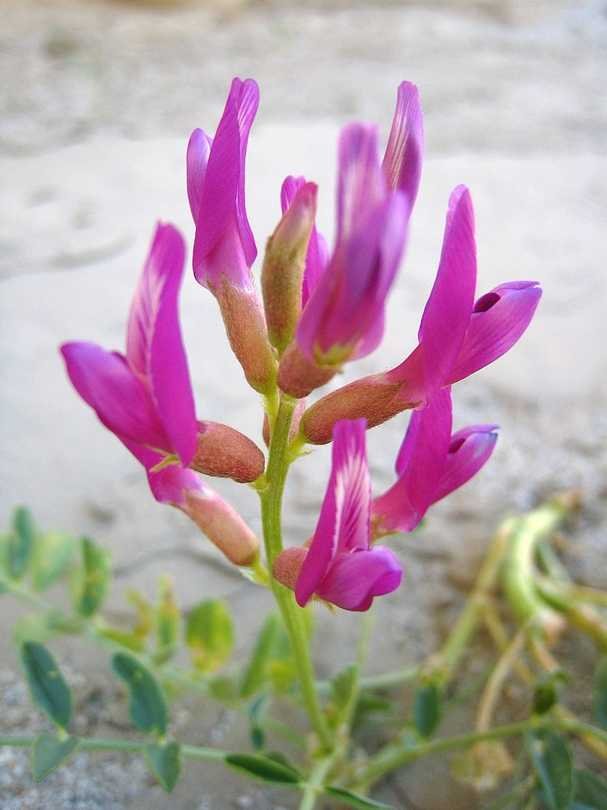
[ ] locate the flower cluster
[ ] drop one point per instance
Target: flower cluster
(319, 309)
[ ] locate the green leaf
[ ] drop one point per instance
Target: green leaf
(32, 627)
(47, 686)
(210, 635)
(427, 709)
(168, 620)
(223, 688)
(354, 800)
(342, 689)
(147, 706)
(600, 693)
(546, 692)
(256, 713)
(265, 768)
(49, 752)
(165, 763)
(256, 673)
(551, 760)
(92, 579)
(52, 556)
(21, 542)
(590, 790)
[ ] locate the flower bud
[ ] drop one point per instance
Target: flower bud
(283, 267)
(376, 398)
(225, 452)
(222, 525)
(246, 329)
(288, 564)
(298, 375)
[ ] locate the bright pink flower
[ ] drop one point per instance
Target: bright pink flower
(456, 336)
(224, 244)
(340, 566)
(344, 316)
(145, 397)
(431, 464)
(402, 162)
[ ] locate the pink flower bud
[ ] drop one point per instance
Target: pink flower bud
(247, 333)
(226, 453)
(222, 525)
(298, 375)
(283, 267)
(288, 564)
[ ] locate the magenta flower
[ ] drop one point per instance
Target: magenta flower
(145, 397)
(340, 566)
(430, 465)
(456, 336)
(402, 162)
(224, 243)
(224, 246)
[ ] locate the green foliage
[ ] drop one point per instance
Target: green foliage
(600, 693)
(52, 556)
(266, 768)
(546, 692)
(590, 791)
(210, 635)
(92, 579)
(49, 752)
(21, 543)
(168, 622)
(47, 686)
(270, 660)
(165, 763)
(427, 708)
(551, 760)
(342, 692)
(256, 716)
(346, 797)
(147, 706)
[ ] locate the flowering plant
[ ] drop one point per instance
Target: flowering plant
(319, 309)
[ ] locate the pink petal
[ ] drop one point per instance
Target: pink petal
(344, 317)
(355, 579)
(224, 243)
(403, 159)
(420, 465)
(317, 256)
(448, 309)
(119, 398)
(343, 524)
(469, 451)
(155, 349)
(170, 484)
(499, 319)
(199, 148)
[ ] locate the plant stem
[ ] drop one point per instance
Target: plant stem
(271, 507)
(315, 782)
(129, 746)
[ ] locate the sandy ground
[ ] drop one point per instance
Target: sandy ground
(97, 102)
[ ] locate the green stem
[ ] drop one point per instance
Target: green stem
(271, 507)
(314, 785)
(129, 746)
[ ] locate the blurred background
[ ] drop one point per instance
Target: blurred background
(97, 100)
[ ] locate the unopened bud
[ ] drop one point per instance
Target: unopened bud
(283, 267)
(222, 525)
(288, 564)
(298, 376)
(246, 329)
(225, 452)
(376, 398)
